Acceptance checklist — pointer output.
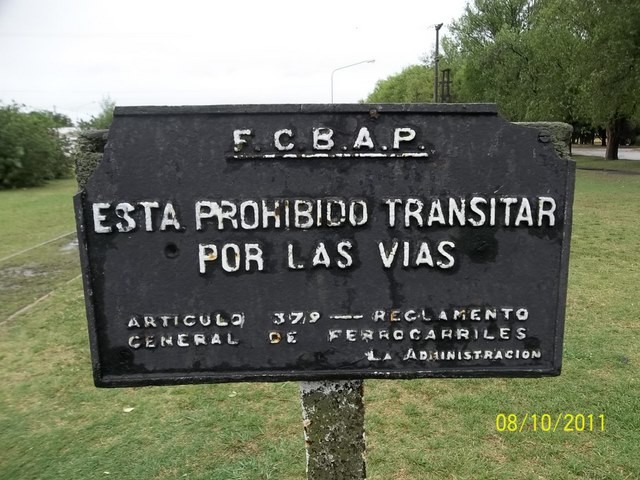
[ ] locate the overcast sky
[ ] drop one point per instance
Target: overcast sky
(72, 53)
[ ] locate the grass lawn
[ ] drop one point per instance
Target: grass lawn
(30, 216)
(595, 163)
(54, 424)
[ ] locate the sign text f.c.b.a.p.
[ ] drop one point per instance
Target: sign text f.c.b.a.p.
(313, 242)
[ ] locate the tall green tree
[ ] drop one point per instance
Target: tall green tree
(571, 60)
(500, 52)
(608, 32)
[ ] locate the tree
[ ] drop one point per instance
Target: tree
(56, 119)
(570, 60)
(31, 152)
(103, 119)
(499, 52)
(609, 62)
(413, 85)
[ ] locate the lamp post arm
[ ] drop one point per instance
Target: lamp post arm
(342, 68)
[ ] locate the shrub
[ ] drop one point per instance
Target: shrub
(31, 151)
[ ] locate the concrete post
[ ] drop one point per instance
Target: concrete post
(333, 419)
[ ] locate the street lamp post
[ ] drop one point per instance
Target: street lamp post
(342, 68)
(435, 62)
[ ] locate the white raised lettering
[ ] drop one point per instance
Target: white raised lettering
(402, 134)
(424, 255)
(391, 203)
(546, 208)
(277, 139)
(169, 218)
(322, 138)
(321, 256)
(473, 204)
(358, 218)
(388, 258)
(442, 250)
(332, 219)
(508, 201)
(238, 141)
(148, 215)
(302, 214)
(98, 218)
(436, 214)
(206, 253)
(291, 261)
(230, 254)
(364, 139)
(413, 209)
(253, 253)
(273, 213)
(524, 214)
(249, 215)
(343, 250)
(122, 211)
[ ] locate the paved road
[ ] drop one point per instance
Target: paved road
(624, 153)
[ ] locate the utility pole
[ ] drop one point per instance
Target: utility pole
(436, 58)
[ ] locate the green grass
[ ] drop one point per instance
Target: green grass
(54, 424)
(31, 275)
(30, 216)
(596, 163)
(446, 427)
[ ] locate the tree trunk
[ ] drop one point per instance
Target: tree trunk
(613, 138)
(602, 133)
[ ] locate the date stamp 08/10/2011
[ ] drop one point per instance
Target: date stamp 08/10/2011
(547, 422)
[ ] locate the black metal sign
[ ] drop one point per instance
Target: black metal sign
(265, 243)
